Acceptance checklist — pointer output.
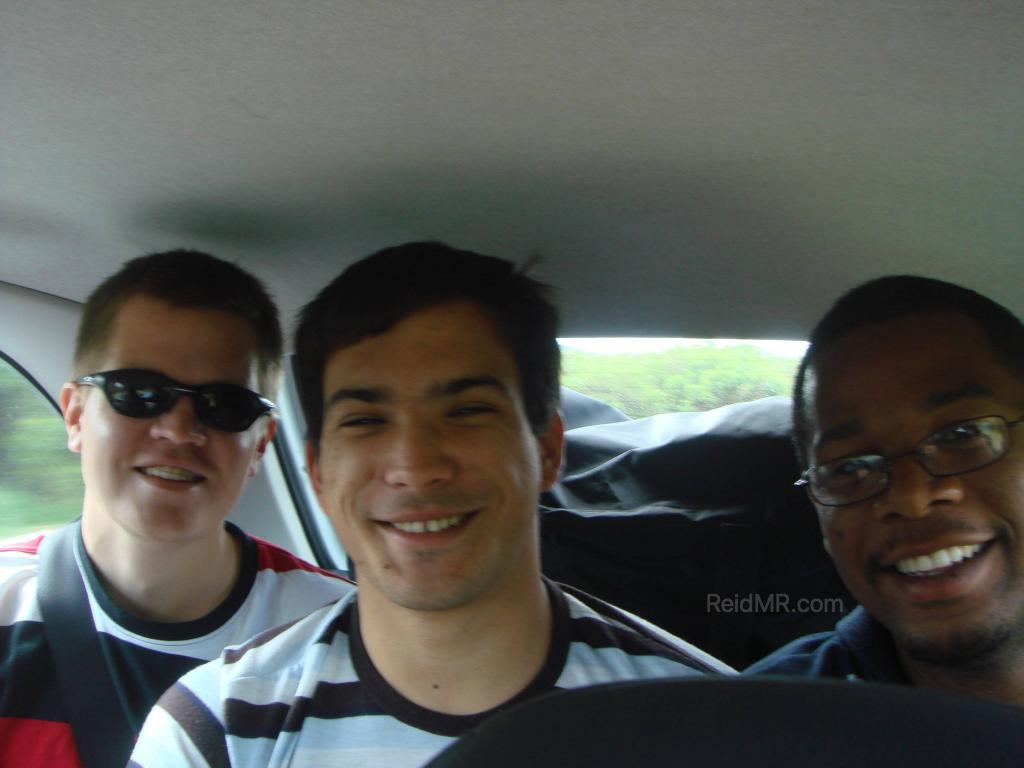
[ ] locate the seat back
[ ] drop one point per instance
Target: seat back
(691, 521)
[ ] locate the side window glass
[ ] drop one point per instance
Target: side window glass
(40, 479)
(648, 376)
(290, 445)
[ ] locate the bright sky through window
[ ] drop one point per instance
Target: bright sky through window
(646, 376)
(640, 345)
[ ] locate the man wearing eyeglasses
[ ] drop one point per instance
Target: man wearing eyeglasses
(907, 411)
(165, 411)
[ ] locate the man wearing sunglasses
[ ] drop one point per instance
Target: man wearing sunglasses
(165, 409)
(908, 411)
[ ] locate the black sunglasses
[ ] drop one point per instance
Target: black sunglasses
(145, 394)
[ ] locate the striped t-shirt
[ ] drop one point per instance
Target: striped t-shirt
(145, 657)
(309, 695)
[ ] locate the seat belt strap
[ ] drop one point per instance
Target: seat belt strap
(98, 721)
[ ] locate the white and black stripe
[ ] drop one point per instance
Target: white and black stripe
(311, 696)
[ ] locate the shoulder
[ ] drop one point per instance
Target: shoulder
(285, 587)
(271, 557)
(20, 556)
(822, 654)
(605, 631)
(277, 654)
(25, 544)
(248, 688)
(281, 569)
(283, 649)
(19, 570)
(858, 646)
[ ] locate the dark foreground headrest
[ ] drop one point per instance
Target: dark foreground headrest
(740, 722)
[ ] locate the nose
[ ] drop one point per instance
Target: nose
(416, 458)
(914, 492)
(180, 424)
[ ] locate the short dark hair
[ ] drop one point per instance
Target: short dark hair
(896, 296)
(374, 294)
(184, 278)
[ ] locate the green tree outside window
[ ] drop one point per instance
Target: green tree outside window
(40, 479)
(686, 378)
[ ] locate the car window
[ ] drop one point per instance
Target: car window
(647, 376)
(40, 479)
(290, 443)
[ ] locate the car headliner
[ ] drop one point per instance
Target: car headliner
(682, 168)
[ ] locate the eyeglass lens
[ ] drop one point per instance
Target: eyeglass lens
(953, 450)
(145, 394)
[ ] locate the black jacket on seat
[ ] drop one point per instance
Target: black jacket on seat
(691, 521)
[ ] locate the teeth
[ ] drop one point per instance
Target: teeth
(943, 558)
(170, 473)
(429, 526)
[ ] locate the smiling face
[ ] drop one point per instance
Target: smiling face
(881, 389)
(169, 478)
(427, 464)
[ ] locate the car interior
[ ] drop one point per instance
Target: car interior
(713, 170)
(753, 721)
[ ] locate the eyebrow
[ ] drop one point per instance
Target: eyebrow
(375, 395)
(930, 402)
(362, 394)
(939, 399)
(458, 386)
(839, 432)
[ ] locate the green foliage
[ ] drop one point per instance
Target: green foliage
(696, 378)
(40, 480)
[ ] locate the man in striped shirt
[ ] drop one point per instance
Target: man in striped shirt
(429, 381)
(162, 411)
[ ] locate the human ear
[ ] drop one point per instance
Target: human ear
(72, 404)
(551, 443)
(313, 467)
(823, 521)
(268, 432)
